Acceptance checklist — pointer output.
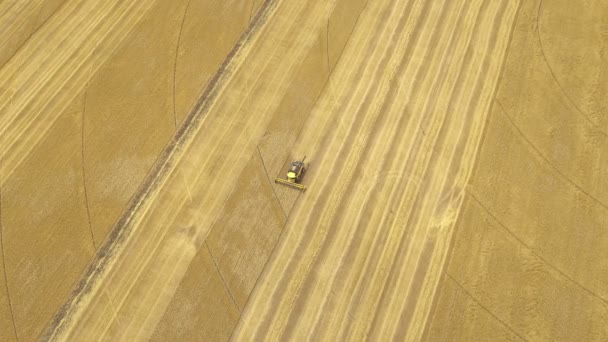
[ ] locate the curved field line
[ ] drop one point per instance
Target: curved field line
(84, 178)
(542, 156)
(461, 287)
(554, 75)
(177, 45)
(8, 294)
(274, 193)
(525, 245)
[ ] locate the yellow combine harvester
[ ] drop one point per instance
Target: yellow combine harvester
(296, 168)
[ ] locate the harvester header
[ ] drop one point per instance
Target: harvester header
(296, 169)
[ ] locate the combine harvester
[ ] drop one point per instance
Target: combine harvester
(296, 168)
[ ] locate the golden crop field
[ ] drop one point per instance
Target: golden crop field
(456, 170)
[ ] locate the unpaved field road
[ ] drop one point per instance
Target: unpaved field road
(456, 171)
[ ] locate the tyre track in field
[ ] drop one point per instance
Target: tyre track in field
(503, 323)
(84, 174)
(537, 151)
(177, 45)
(8, 293)
(508, 231)
(13, 18)
(577, 108)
